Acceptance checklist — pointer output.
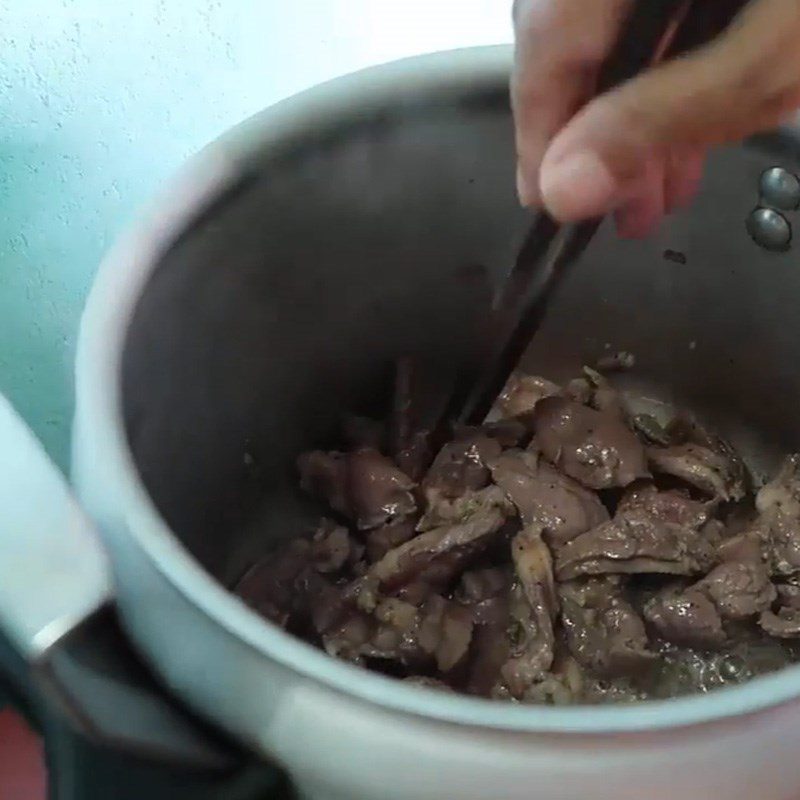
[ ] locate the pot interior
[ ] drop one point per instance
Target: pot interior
(379, 234)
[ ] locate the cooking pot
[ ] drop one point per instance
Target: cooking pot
(266, 295)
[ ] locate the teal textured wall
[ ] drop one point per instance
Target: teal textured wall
(101, 100)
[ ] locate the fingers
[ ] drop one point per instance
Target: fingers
(560, 44)
(745, 81)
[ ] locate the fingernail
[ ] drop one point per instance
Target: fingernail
(527, 192)
(578, 187)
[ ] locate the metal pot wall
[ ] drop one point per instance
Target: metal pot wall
(266, 295)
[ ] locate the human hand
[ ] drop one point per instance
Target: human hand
(638, 150)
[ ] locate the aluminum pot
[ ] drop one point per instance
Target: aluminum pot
(266, 295)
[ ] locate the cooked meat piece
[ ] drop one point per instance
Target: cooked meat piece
(739, 589)
(531, 644)
(494, 568)
(478, 585)
(563, 686)
(331, 547)
(460, 466)
(350, 637)
(522, 393)
(712, 473)
(544, 496)
(778, 523)
(782, 493)
(747, 546)
(444, 510)
(378, 491)
(603, 396)
(649, 428)
(603, 631)
(533, 609)
(363, 432)
(685, 429)
(783, 624)
(594, 447)
(268, 587)
(635, 542)
(688, 619)
(533, 564)
(425, 682)
(670, 506)
(445, 631)
(363, 485)
(437, 556)
(491, 645)
(788, 595)
(381, 540)
(614, 362)
(325, 475)
(604, 691)
(580, 390)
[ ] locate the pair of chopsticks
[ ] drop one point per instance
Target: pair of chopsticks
(654, 31)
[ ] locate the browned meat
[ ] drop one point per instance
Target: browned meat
(363, 485)
(522, 393)
(460, 466)
(603, 632)
(688, 619)
(783, 624)
(685, 429)
(778, 523)
(534, 567)
(533, 609)
(669, 506)
(711, 472)
(332, 547)
(444, 510)
(564, 685)
(738, 589)
(268, 587)
(381, 540)
(544, 496)
(445, 631)
(325, 475)
(619, 361)
(531, 643)
(650, 429)
(495, 570)
(594, 447)
(635, 542)
(788, 595)
(491, 646)
(378, 491)
(478, 585)
(437, 556)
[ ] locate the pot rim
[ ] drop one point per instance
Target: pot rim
(118, 285)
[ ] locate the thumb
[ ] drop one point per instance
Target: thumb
(746, 80)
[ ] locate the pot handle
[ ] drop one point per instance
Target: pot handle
(59, 636)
